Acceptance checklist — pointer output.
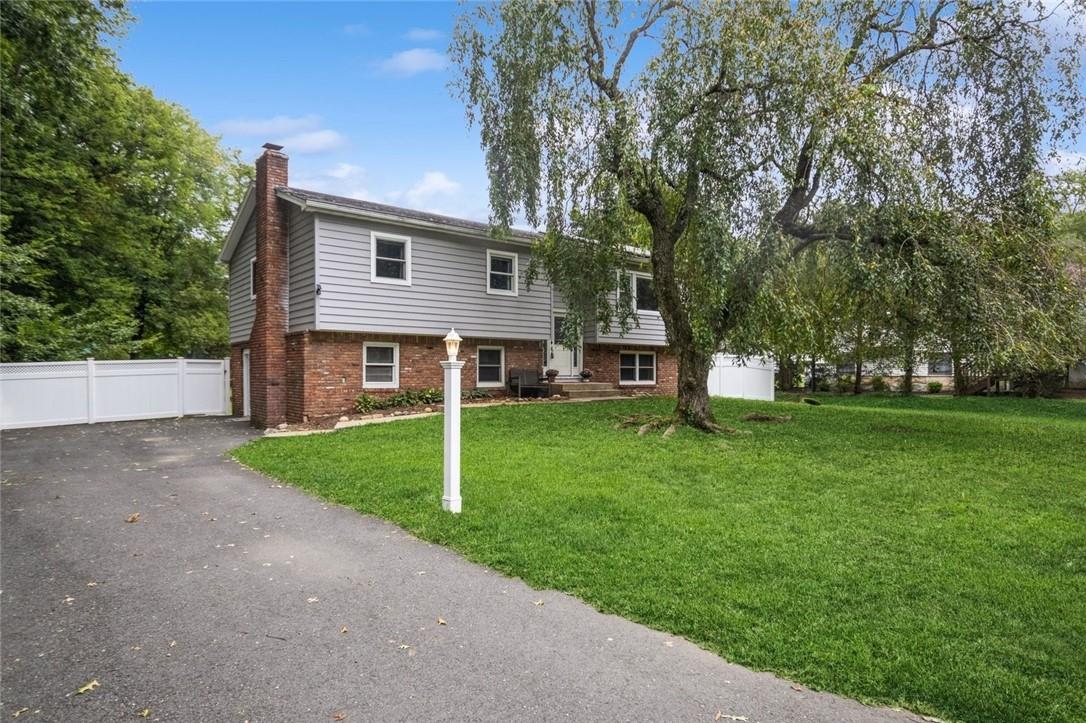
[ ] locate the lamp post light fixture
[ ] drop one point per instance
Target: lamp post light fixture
(451, 499)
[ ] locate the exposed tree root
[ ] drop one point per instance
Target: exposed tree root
(646, 423)
(762, 417)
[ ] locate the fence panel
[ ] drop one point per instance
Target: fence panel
(44, 394)
(753, 380)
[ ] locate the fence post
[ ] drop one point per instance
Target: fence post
(180, 386)
(90, 390)
(226, 400)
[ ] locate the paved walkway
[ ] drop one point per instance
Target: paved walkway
(233, 598)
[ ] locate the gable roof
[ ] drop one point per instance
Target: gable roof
(342, 205)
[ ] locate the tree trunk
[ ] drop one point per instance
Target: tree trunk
(692, 406)
(693, 403)
(910, 366)
(814, 374)
(959, 373)
(788, 373)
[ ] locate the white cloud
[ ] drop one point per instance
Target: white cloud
(422, 34)
(1060, 161)
(431, 185)
(342, 179)
(320, 141)
(413, 61)
(274, 126)
(356, 29)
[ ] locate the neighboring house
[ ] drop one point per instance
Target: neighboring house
(332, 296)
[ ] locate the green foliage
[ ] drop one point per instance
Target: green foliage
(923, 552)
(476, 394)
(747, 135)
(878, 384)
(365, 403)
(414, 398)
(114, 201)
(935, 387)
(844, 385)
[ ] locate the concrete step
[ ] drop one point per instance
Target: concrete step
(563, 387)
(592, 393)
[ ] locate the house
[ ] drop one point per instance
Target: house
(330, 297)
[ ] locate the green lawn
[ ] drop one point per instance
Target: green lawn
(928, 553)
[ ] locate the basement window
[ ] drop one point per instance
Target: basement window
(637, 367)
(380, 365)
(491, 367)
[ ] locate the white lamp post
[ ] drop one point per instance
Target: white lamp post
(451, 500)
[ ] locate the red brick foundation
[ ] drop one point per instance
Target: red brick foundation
(324, 369)
(602, 359)
(237, 380)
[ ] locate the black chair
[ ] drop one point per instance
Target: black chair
(527, 382)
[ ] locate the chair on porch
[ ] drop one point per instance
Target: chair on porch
(527, 382)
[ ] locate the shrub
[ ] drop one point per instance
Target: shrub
(415, 398)
(878, 384)
(822, 385)
(844, 384)
(476, 394)
(366, 403)
(935, 387)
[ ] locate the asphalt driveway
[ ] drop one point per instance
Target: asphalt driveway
(233, 598)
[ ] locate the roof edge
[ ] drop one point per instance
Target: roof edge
(241, 220)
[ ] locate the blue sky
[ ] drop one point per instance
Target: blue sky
(357, 92)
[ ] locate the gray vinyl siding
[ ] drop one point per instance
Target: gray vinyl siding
(647, 329)
(241, 307)
(302, 300)
(448, 286)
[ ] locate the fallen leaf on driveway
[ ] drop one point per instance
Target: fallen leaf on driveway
(404, 647)
(88, 687)
(173, 643)
(343, 630)
(313, 599)
(441, 621)
(134, 517)
(146, 712)
(725, 716)
(339, 716)
(669, 643)
(797, 687)
(92, 583)
(538, 603)
(19, 712)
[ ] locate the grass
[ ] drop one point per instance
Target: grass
(926, 552)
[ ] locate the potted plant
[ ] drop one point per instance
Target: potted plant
(551, 375)
(586, 374)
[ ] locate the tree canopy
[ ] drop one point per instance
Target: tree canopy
(739, 135)
(113, 204)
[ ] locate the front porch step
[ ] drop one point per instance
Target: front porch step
(609, 391)
(561, 387)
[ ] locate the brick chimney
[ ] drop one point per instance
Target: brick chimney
(267, 342)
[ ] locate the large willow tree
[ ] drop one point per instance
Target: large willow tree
(732, 136)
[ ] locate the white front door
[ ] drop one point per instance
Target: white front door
(247, 409)
(565, 359)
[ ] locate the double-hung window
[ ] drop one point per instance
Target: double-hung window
(491, 366)
(501, 273)
(252, 278)
(643, 292)
(637, 367)
(390, 259)
(380, 365)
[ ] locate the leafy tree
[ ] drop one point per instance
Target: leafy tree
(114, 201)
(741, 134)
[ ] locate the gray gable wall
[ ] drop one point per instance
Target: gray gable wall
(240, 307)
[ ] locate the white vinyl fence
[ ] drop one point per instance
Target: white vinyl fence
(43, 394)
(730, 378)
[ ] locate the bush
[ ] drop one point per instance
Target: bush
(878, 384)
(844, 384)
(415, 398)
(935, 387)
(822, 385)
(476, 394)
(366, 403)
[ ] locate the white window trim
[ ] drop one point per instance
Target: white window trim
(634, 276)
(395, 383)
(501, 368)
(252, 278)
(406, 241)
(638, 383)
(490, 253)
